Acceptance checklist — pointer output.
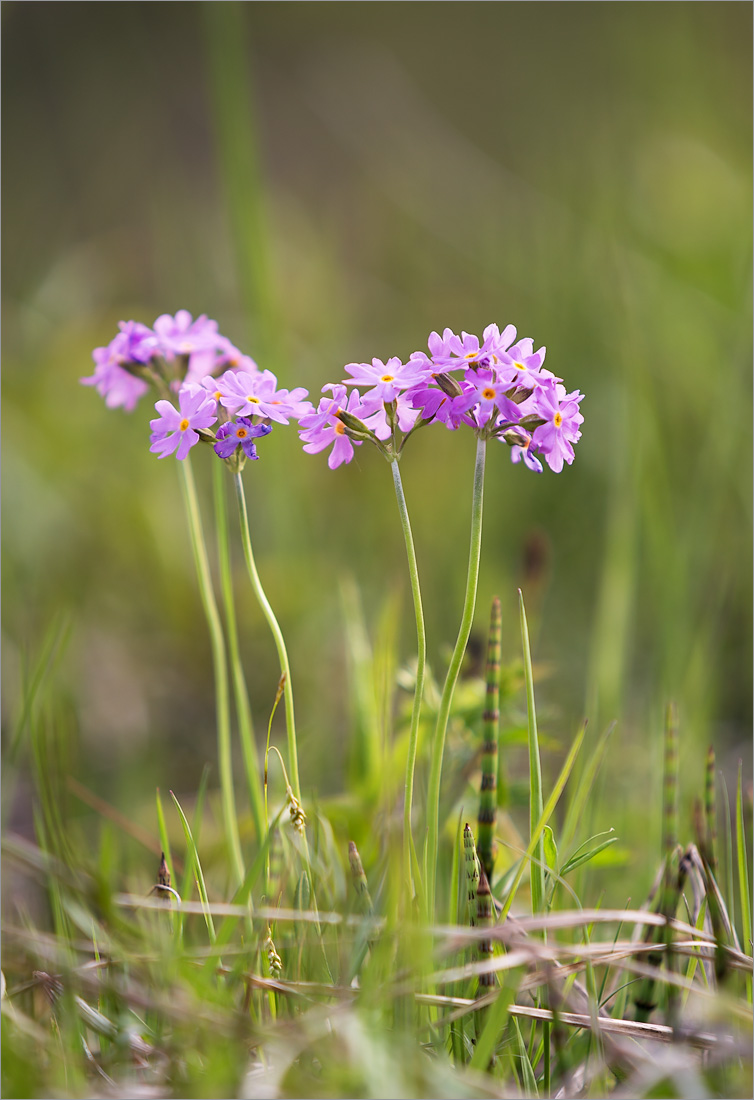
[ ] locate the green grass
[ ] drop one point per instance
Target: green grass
(360, 996)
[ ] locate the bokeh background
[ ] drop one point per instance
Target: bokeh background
(332, 181)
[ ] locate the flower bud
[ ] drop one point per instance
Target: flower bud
(531, 422)
(515, 438)
(518, 394)
(448, 384)
(351, 421)
(355, 428)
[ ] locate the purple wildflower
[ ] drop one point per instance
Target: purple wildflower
(241, 433)
(257, 393)
(182, 335)
(318, 429)
(560, 411)
(135, 344)
(487, 393)
(436, 404)
(528, 364)
(387, 379)
(450, 351)
(177, 431)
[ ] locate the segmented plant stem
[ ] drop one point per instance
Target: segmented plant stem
(471, 864)
(438, 743)
(536, 807)
(490, 722)
(484, 919)
(671, 883)
(421, 655)
(277, 634)
(710, 810)
(219, 664)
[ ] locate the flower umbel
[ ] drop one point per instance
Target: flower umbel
(496, 386)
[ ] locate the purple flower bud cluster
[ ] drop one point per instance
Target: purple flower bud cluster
(497, 386)
(185, 356)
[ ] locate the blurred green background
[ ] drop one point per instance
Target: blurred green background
(332, 181)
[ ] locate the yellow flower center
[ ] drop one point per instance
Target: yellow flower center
(241, 433)
(217, 395)
(253, 400)
(489, 394)
(521, 366)
(339, 427)
(183, 425)
(557, 420)
(387, 378)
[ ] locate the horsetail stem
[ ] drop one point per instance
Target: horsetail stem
(710, 810)
(672, 870)
(360, 879)
(484, 919)
(472, 871)
(490, 722)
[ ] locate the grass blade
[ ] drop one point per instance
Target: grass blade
(193, 863)
(546, 815)
(743, 874)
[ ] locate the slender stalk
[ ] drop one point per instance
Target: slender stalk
(421, 656)
(277, 635)
(220, 666)
(438, 744)
(240, 692)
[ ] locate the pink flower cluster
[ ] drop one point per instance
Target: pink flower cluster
(191, 348)
(186, 355)
(497, 385)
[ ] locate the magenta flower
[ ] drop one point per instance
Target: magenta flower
(182, 335)
(528, 365)
(322, 427)
(135, 344)
(178, 431)
(485, 394)
(387, 379)
(241, 433)
(198, 340)
(436, 404)
(256, 393)
(450, 351)
(562, 417)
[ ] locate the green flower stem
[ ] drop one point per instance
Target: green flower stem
(421, 655)
(277, 634)
(240, 692)
(220, 666)
(438, 744)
